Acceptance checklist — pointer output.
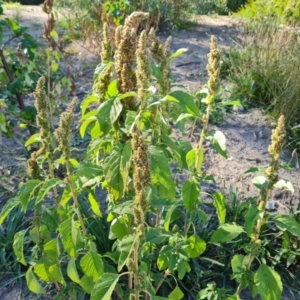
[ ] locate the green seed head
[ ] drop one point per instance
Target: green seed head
(106, 46)
(213, 67)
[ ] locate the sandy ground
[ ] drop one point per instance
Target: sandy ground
(245, 150)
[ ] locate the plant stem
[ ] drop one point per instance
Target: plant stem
(71, 184)
(259, 223)
(202, 137)
(162, 280)
(136, 270)
(11, 78)
(48, 94)
(51, 171)
(130, 281)
(187, 227)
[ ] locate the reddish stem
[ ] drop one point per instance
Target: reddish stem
(11, 78)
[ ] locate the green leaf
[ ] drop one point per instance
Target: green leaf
(115, 111)
(41, 232)
(156, 72)
(239, 264)
(18, 246)
(85, 124)
(51, 250)
(27, 191)
(65, 230)
(101, 127)
(126, 95)
(125, 247)
(268, 283)
(32, 282)
(87, 101)
(218, 140)
(87, 174)
(176, 294)
(41, 269)
(253, 288)
(220, 204)
(168, 141)
(184, 147)
(234, 297)
(284, 184)
(181, 269)
(120, 227)
(72, 271)
(54, 66)
(260, 182)
(112, 90)
(46, 187)
(94, 204)
(183, 117)
(91, 113)
(92, 265)
(177, 53)
(101, 68)
(186, 101)
(105, 286)
(66, 196)
(160, 172)
(169, 216)
(190, 194)
(56, 274)
(156, 235)
(54, 34)
(195, 247)
(35, 138)
(7, 208)
(226, 233)
(252, 216)
(163, 257)
(191, 157)
(116, 167)
(50, 218)
(254, 170)
(231, 103)
(286, 222)
(87, 284)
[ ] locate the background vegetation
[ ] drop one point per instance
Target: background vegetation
(146, 235)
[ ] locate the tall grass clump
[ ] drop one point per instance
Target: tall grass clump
(264, 68)
(220, 7)
(285, 10)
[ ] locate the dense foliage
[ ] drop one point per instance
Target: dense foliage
(287, 11)
(114, 222)
(265, 70)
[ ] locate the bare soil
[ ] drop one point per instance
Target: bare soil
(240, 128)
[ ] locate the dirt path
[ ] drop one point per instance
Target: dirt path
(245, 150)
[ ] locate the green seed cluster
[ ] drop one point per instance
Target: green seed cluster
(106, 46)
(141, 175)
(43, 123)
(143, 71)
(124, 61)
(213, 67)
(161, 53)
(277, 142)
(125, 57)
(64, 129)
(101, 86)
(277, 138)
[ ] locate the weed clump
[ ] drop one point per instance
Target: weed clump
(264, 69)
